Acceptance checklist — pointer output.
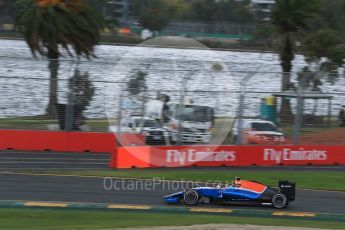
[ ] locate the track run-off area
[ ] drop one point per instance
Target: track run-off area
(21, 180)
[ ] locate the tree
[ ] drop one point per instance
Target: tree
(263, 34)
(5, 6)
(51, 25)
(82, 89)
(137, 83)
(81, 92)
(290, 18)
(244, 14)
(201, 10)
(204, 10)
(221, 11)
(154, 19)
(324, 53)
(333, 16)
(177, 9)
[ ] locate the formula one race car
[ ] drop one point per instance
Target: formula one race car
(241, 192)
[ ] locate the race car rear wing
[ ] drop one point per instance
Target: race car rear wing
(288, 189)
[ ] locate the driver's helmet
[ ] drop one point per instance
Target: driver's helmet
(237, 182)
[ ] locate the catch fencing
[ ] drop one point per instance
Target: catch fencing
(167, 102)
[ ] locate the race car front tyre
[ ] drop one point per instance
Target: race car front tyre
(279, 201)
(191, 197)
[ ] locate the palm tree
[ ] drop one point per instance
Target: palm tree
(51, 25)
(290, 18)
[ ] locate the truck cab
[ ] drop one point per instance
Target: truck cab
(195, 121)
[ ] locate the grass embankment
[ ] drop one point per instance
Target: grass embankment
(53, 219)
(304, 179)
(41, 123)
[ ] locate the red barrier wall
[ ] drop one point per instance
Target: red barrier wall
(186, 156)
(130, 157)
(130, 139)
(29, 140)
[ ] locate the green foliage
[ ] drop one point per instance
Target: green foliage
(333, 16)
(154, 19)
(70, 26)
(310, 79)
(177, 9)
(153, 14)
(82, 89)
(291, 16)
(137, 83)
(242, 12)
(231, 11)
(4, 7)
(263, 33)
(324, 53)
(324, 43)
(97, 4)
(199, 10)
(323, 49)
(138, 6)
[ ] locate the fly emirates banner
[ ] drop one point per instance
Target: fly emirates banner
(184, 156)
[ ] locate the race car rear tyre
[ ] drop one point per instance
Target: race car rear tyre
(279, 201)
(191, 197)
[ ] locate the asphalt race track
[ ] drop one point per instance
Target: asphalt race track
(99, 190)
(15, 184)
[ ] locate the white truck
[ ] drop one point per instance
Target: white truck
(193, 122)
(151, 129)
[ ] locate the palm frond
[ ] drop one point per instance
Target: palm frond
(51, 24)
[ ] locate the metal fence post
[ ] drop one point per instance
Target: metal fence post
(70, 107)
(299, 113)
(240, 115)
(300, 107)
(119, 115)
(183, 90)
(144, 99)
(329, 112)
(69, 113)
(180, 110)
(239, 140)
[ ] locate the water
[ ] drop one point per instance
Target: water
(24, 80)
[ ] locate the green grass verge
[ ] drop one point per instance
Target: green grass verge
(289, 130)
(40, 123)
(54, 219)
(25, 123)
(304, 179)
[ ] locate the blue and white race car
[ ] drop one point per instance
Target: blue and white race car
(241, 192)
